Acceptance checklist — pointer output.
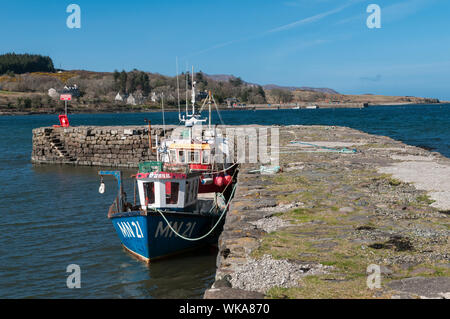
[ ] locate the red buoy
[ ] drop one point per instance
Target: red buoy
(64, 121)
(228, 179)
(218, 181)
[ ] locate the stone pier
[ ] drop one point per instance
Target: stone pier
(336, 224)
(115, 146)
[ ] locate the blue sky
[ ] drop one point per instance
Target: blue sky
(320, 43)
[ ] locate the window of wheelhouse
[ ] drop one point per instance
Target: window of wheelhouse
(206, 157)
(172, 189)
(149, 191)
(195, 190)
(181, 156)
(172, 156)
(187, 194)
(194, 157)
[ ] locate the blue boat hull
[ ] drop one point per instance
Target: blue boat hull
(149, 237)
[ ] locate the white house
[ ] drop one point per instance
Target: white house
(53, 93)
(154, 97)
(131, 100)
(120, 98)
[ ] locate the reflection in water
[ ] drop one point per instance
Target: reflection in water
(174, 277)
(61, 219)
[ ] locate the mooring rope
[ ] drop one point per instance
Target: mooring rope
(212, 229)
(330, 149)
(266, 170)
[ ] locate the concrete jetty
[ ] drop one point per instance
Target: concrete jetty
(338, 224)
(367, 224)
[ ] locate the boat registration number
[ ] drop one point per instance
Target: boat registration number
(131, 230)
(184, 229)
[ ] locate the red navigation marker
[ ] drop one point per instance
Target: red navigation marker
(65, 97)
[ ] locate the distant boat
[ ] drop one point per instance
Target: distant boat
(312, 107)
(296, 108)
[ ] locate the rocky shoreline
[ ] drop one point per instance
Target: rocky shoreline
(138, 109)
(313, 230)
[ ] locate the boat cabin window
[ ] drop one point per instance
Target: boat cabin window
(187, 194)
(172, 156)
(206, 157)
(149, 190)
(181, 157)
(191, 191)
(172, 190)
(194, 157)
(194, 191)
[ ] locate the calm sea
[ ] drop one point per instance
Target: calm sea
(53, 216)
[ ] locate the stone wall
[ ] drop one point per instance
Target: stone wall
(123, 146)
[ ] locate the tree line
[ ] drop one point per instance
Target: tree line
(12, 63)
(130, 82)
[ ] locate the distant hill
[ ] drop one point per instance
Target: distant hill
(228, 77)
(22, 90)
(220, 77)
(302, 88)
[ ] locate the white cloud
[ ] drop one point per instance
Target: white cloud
(314, 18)
(285, 27)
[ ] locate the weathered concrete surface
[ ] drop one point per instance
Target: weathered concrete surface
(421, 287)
(336, 212)
(426, 174)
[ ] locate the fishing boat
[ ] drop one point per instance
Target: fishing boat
(204, 150)
(183, 196)
(170, 217)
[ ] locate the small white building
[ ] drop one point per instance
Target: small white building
(154, 97)
(120, 97)
(53, 93)
(131, 100)
(139, 98)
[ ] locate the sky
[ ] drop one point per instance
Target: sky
(316, 43)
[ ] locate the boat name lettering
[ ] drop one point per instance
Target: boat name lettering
(164, 230)
(127, 229)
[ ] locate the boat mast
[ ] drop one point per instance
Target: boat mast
(187, 74)
(162, 107)
(193, 92)
(178, 93)
(209, 105)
